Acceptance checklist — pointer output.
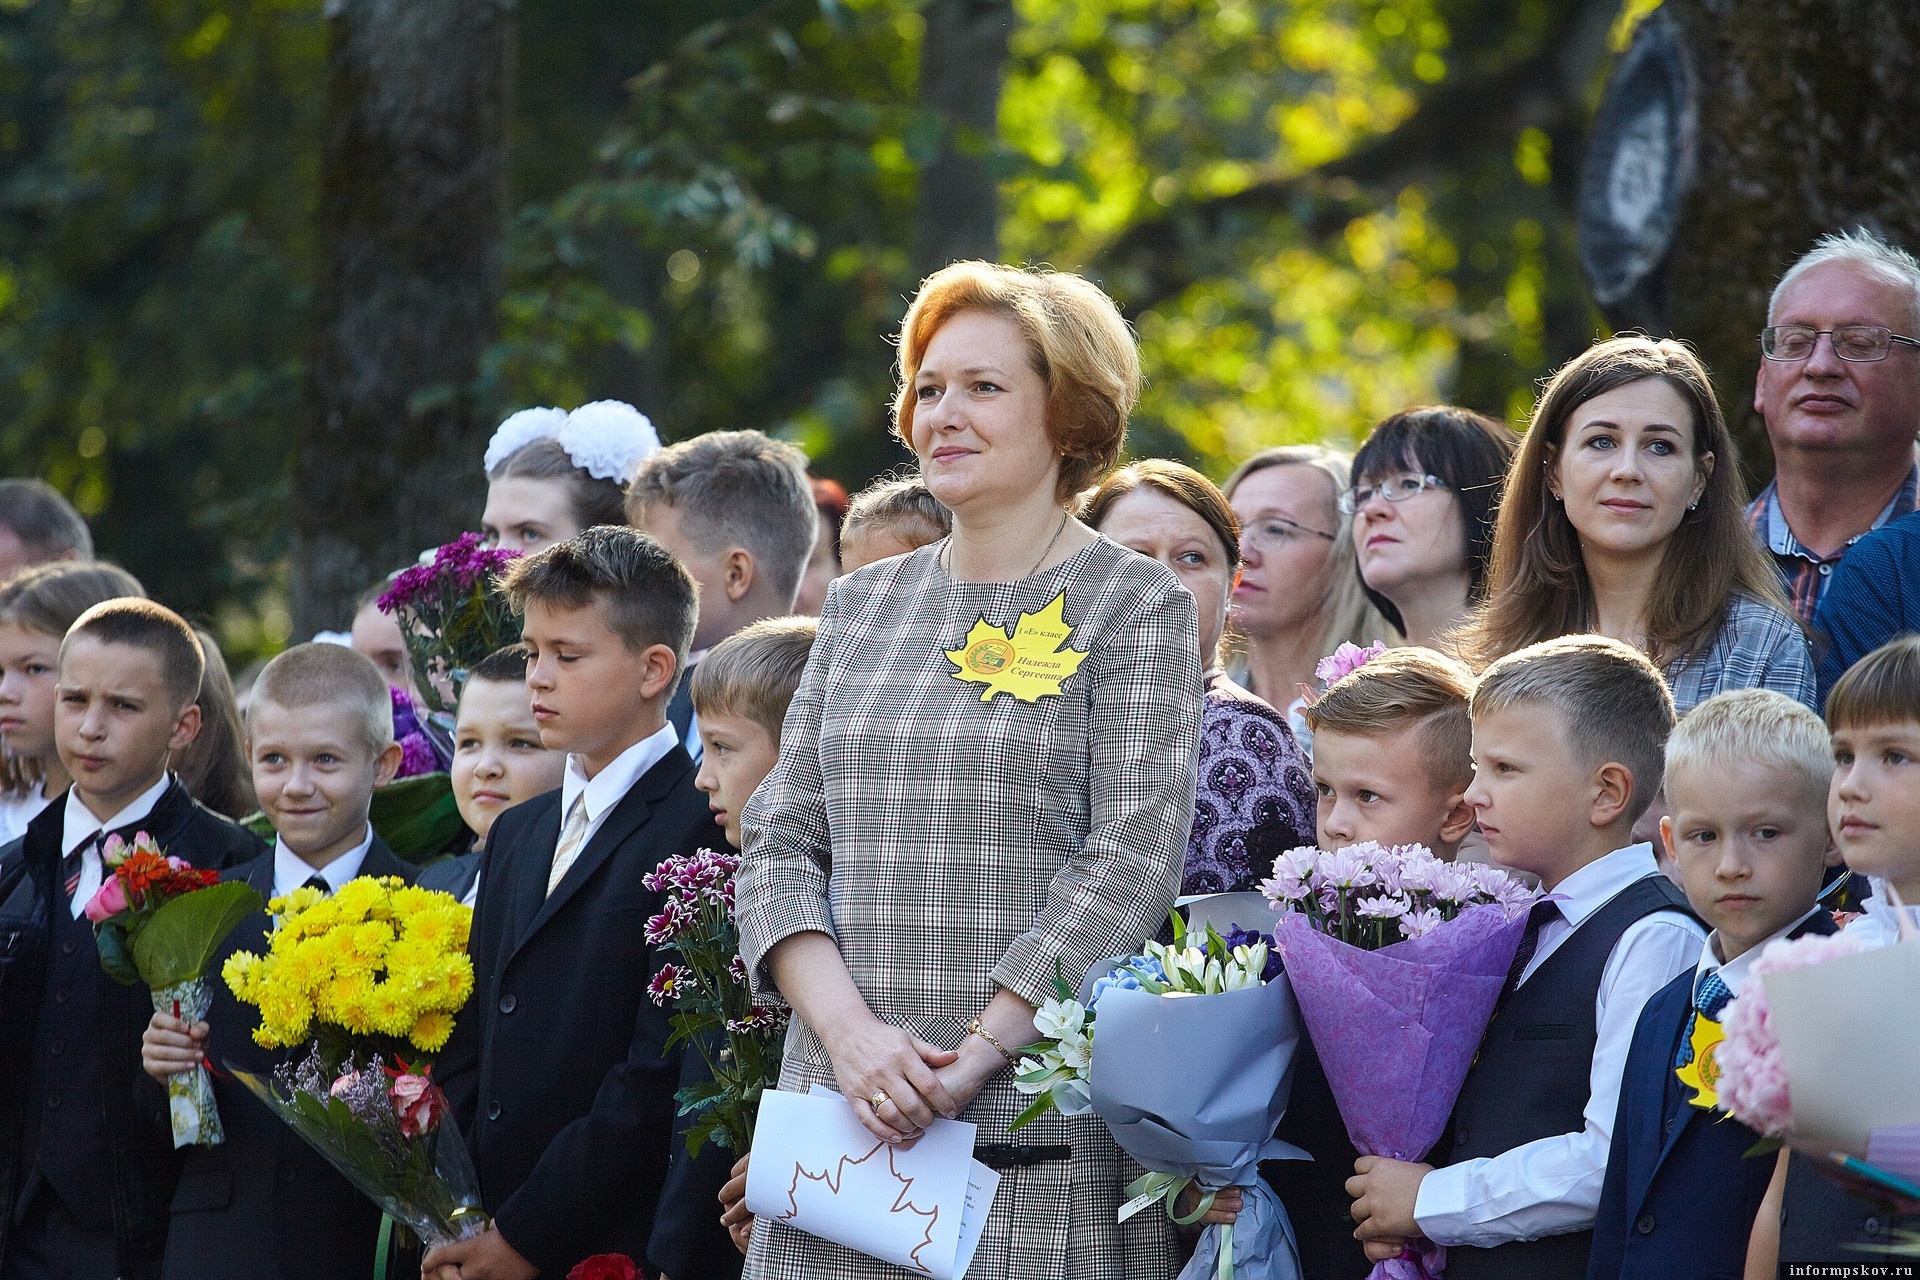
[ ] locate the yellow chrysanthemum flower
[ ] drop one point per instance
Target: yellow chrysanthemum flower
(431, 1030)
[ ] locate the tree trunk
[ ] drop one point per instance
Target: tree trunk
(963, 58)
(1807, 112)
(412, 209)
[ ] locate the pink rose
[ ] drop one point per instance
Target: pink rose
(343, 1084)
(114, 851)
(419, 1104)
(178, 864)
(110, 901)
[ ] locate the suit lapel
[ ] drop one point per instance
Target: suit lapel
(631, 814)
(382, 861)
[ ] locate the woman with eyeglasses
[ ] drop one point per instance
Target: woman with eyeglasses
(1299, 596)
(1425, 488)
(1625, 514)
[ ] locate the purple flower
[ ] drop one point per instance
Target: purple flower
(1238, 937)
(665, 985)
(1346, 660)
(669, 922)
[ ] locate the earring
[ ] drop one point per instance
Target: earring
(1694, 505)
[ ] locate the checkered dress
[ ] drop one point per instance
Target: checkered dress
(953, 846)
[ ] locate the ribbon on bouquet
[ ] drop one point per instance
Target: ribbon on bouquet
(1168, 1187)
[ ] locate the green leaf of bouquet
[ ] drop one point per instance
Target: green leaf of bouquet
(111, 941)
(1035, 1109)
(179, 941)
(1764, 1147)
(417, 816)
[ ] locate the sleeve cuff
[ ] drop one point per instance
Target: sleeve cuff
(1440, 1206)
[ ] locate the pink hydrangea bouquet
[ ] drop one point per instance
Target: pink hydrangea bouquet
(1753, 1076)
(1397, 959)
(451, 616)
(713, 1003)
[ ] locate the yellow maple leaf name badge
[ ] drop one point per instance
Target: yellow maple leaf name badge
(1030, 663)
(1702, 1074)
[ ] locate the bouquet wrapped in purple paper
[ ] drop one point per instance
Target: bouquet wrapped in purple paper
(1397, 959)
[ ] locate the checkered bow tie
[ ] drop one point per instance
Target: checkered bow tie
(1710, 997)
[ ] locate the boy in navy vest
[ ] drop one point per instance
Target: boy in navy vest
(1568, 739)
(87, 1164)
(1747, 775)
(263, 1205)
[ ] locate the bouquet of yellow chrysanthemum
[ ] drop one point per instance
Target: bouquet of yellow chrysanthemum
(371, 977)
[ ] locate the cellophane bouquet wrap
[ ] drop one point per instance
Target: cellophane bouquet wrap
(713, 1005)
(1186, 1053)
(1397, 959)
(158, 920)
(369, 980)
(451, 616)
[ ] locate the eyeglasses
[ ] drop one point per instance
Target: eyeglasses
(1858, 342)
(1270, 533)
(1394, 489)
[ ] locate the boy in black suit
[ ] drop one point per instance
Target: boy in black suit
(263, 1205)
(1747, 775)
(87, 1164)
(1569, 737)
(559, 1071)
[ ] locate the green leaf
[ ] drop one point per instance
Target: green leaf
(1035, 1109)
(111, 939)
(179, 941)
(417, 816)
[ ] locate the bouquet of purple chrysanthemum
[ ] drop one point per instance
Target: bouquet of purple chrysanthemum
(451, 616)
(1397, 959)
(713, 1003)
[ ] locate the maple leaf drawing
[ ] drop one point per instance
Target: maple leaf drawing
(871, 1179)
(1030, 662)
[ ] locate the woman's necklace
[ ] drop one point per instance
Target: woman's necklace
(946, 552)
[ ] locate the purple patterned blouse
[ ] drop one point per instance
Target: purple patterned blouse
(1256, 797)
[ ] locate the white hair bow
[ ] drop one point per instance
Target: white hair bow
(607, 439)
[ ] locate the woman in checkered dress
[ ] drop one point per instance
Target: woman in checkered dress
(986, 778)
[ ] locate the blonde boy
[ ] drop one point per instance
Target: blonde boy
(1393, 753)
(740, 694)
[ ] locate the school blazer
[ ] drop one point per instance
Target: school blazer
(263, 1205)
(1681, 1193)
(559, 1070)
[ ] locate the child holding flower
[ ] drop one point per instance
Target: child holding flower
(263, 1205)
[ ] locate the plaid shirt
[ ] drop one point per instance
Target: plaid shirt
(953, 846)
(1804, 574)
(1758, 647)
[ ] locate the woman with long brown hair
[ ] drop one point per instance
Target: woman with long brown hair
(1623, 515)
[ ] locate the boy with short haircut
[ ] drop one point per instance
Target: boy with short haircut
(87, 1165)
(1746, 777)
(263, 1205)
(1393, 753)
(736, 508)
(891, 518)
(559, 1071)
(498, 761)
(741, 694)
(1873, 809)
(1568, 739)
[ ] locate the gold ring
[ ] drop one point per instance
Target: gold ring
(879, 1099)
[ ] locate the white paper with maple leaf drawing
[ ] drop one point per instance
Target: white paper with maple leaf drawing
(818, 1170)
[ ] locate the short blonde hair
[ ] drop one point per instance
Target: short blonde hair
(1076, 341)
(1881, 688)
(1403, 689)
(1752, 725)
(753, 672)
(313, 675)
(1616, 704)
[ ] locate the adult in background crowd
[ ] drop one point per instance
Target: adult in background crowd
(830, 499)
(1255, 796)
(1426, 485)
(911, 879)
(1839, 386)
(1623, 516)
(38, 525)
(1874, 597)
(1300, 596)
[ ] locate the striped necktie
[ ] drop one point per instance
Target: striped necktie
(1710, 998)
(572, 836)
(1537, 919)
(73, 863)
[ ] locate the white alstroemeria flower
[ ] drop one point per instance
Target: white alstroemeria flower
(1058, 1019)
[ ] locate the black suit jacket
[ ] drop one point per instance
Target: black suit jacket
(263, 1205)
(93, 1037)
(559, 1070)
(1681, 1192)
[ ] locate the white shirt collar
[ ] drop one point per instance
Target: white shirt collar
(1733, 972)
(605, 788)
(82, 826)
(1596, 884)
(290, 870)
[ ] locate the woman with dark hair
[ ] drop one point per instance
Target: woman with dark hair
(552, 474)
(1255, 797)
(1624, 514)
(1426, 485)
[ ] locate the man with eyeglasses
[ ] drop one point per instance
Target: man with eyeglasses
(1839, 386)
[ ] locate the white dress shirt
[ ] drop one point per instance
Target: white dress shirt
(17, 811)
(81, 827)
(290, 870)
(1733, 972)
(1552, 1185)
(1879, 923)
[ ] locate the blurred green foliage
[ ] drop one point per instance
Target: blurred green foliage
(712, 218)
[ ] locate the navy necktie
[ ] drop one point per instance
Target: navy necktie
(1537, 919)
(317, 881)
(70, 866)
